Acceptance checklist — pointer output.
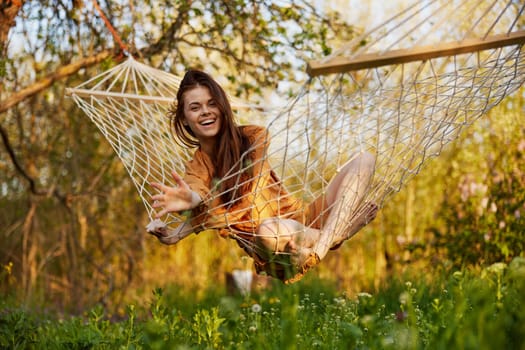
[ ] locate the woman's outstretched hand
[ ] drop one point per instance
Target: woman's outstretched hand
(174, 199)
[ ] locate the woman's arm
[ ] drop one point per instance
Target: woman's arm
(166, 235)
(172, 199)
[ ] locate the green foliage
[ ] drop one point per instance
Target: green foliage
(3, 70)
(17, 329)
(464, 310)
(483, 210)
(205, 327)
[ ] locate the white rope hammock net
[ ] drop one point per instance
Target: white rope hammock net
(403, 113)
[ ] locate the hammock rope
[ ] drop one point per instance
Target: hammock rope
(397, 92)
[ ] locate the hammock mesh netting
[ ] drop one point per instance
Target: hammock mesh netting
(453, 61)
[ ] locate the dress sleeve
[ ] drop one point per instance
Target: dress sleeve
(198, 177)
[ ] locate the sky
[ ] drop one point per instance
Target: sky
(363, 13)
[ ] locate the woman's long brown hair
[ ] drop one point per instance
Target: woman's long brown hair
(232, 172)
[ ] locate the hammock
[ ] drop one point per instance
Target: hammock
(401, 92)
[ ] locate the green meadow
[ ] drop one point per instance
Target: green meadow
(467, 309)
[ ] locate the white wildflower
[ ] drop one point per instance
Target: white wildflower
(243, 281)
(403, 298)
(497, 267)
(364, 295)
(256, 308)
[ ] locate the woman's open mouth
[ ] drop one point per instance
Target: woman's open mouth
(208, 122)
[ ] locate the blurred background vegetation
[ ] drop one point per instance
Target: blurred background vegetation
(72, 226)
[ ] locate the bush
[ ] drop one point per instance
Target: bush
(483, 210)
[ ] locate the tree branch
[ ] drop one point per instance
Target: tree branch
(44, 83)
(18, 166)
(167, 37)
(72, 68)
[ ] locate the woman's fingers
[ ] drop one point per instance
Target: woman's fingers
(159, 186)
(171, 198)
(161, 213)
(157, 197)
(178, 180)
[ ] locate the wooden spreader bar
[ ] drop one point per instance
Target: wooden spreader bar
(118, 95)
(143, 98)
(421, 53)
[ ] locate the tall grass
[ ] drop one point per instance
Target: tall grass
(466, 310)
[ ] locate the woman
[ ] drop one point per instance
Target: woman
(229, 186)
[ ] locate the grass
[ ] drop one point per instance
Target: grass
(466, 310)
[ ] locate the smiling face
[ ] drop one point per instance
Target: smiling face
(202, 115)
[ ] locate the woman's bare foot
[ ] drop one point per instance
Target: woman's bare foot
(301, 246)
(363, 217)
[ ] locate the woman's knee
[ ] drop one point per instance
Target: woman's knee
(362, 163)
(366, 160)
(267, 233)
(267, 227)
(274, 234)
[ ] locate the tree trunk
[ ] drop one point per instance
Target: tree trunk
(8, 12)
(28, 252)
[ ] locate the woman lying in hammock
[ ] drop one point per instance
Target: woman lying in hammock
(229, 186)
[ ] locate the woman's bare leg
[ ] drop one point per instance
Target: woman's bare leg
(287, 241)
(365, 214)
(343, 196)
